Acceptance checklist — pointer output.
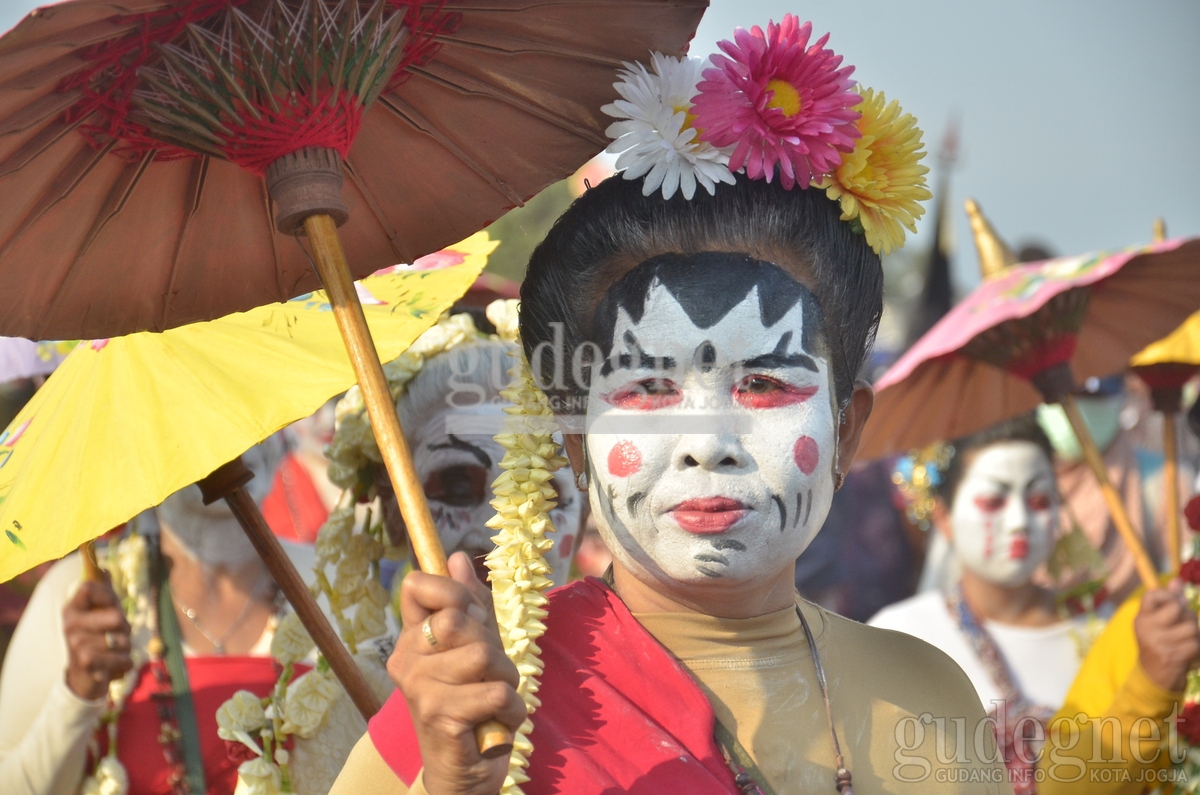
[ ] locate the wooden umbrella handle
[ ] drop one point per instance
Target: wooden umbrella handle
(1171, 488)
(91, 569)
(228, 483)
(494, 739)
(1116, 507)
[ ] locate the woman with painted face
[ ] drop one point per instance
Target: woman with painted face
(998, 510)
(700, 348)
(450, 407)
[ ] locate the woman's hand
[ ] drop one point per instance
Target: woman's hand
(1168, 636)
(97, 640)
(459, 683)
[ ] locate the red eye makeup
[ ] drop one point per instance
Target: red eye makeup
(764, 392)
(647, 395)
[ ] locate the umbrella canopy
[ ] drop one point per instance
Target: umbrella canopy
(940, 389)
(124, 422)
(105, 230)
(1182, 346)
(22, 358)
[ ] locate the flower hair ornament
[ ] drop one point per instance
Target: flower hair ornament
(917, 477)
(771, 100)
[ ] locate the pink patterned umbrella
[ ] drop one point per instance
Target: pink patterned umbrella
(1024, 336)
(975, 367)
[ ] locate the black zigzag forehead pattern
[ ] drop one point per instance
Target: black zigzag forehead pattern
(708, 286)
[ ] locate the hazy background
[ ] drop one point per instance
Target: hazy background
(1080, 120)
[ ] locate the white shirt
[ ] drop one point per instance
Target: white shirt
(1043, 660)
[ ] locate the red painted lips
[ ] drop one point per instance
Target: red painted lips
(1019, 549)
(709, 514)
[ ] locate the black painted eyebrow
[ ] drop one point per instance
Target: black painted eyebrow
(458, 444)
(780, 358)
(645, 360)
(770, 361)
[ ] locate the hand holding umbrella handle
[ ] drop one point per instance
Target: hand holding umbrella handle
(493, 738)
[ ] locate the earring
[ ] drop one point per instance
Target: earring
(581, 481)
(839, 479)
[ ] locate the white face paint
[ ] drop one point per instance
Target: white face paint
(711, 451)
(1005, 513)
(457, 474)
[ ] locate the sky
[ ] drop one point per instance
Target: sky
(1079, 119)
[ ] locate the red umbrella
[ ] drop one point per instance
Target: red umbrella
(1024, 336)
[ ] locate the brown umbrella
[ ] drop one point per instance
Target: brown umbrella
(1024, 336)
(157, 155)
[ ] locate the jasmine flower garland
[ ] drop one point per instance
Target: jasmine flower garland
(524, 497)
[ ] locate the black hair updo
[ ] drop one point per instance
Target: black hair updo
(613, 227)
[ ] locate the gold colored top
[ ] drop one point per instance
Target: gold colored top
(995, 257)
(1160, 230)
(759, 678)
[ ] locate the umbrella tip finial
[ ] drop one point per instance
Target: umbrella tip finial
(995, 257)
(1160, 230)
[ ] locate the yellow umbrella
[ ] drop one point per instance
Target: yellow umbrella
(125, 422)
(1182, 346)
(1166, 366)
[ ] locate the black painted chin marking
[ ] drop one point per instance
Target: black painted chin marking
(728, 543)
(808, 509)
(711, 557)
(607, 497)
(782, 511)
(709, 572)
(634, 502)
(799, 505)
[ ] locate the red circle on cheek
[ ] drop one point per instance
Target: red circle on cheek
(624, 459)
(806, 454)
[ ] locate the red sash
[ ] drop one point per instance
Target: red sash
(619, 713)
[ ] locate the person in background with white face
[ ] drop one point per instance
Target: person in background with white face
(998, 509)
(449, 411)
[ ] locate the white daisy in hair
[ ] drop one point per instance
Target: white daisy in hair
(654, 134)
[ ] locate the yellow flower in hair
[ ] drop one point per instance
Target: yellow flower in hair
(881, 183)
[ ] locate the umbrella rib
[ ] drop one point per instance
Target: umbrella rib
(38, 111)
(42, 140)
(541, 49)
(409, 115)
(376, 210)
(466, 84)
(270, 218)
(197, 179)
(131, 177)
(64, 182)
(118, 195)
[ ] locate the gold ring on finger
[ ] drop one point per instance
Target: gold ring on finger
(110, 640)
(427, 631)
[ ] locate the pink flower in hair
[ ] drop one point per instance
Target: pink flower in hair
(779, 100)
